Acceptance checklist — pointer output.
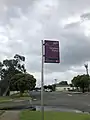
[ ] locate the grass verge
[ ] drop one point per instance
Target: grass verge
(14, 97)
(5, 99)
(17, 96)
(49, 115)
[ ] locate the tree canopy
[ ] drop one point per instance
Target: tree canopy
(63, 83)
(82, 82)
(13, 70)
(51, 87)
(22, 81)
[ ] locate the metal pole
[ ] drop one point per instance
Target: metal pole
(87, 70)
(86, 67)
(42, 83)
(55, 84)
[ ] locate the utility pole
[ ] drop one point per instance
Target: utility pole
(55, 83)
(86, 67)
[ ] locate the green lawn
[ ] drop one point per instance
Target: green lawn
(24, 97)
(36, 115)
(14, 97)
(5, 99)
(25, 94)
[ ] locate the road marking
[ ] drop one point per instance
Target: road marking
(69, 95)
(34, 99)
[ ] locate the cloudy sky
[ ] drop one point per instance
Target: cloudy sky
(24, 23)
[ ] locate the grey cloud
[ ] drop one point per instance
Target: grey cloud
(72, 25)
(31, 21)
(75, 50)
(85, 16)
(51, 7)
(12, 12)
(10, 9)
(31, 5)
(21, 3)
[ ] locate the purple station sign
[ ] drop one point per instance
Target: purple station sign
(52, 51)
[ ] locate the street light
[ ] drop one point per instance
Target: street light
(86, 67)
(55, 81)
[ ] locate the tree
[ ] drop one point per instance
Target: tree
(53, 87)
(14, 76)
(22, 82)
(19, 59)
(45, 87)
(1, 72)
(71, 85)
(63, 83)
(76, 82)
(8, 68)
(81, 81)
(49, 87)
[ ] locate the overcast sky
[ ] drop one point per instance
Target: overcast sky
(24, 23)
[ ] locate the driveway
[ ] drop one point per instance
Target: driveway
(10, 115)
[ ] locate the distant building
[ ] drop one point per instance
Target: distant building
(63, 87)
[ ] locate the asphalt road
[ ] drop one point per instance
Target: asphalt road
(57, 100)
(68, 100)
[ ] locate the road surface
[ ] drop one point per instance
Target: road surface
(73, 101)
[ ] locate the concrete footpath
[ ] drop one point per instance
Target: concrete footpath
(10, 115)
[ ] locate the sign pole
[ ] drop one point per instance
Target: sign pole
(42, 83)
(51, 56)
